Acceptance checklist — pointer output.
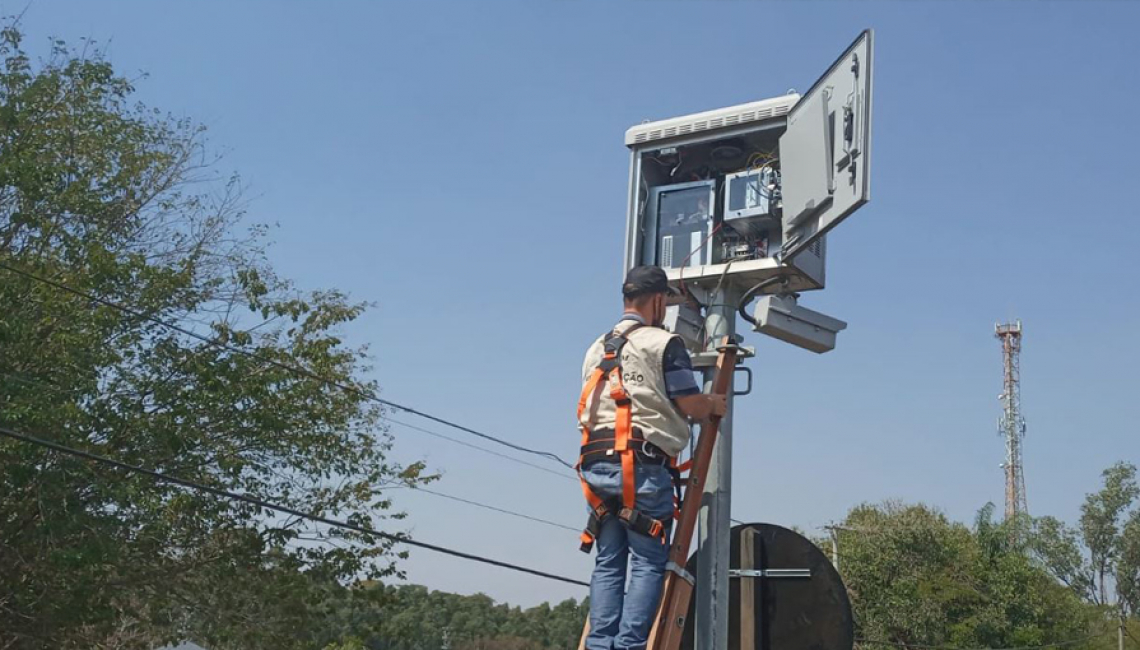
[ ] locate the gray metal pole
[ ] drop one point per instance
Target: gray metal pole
(715, 523)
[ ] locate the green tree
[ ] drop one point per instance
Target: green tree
(1101, 517)
(412, 617)
(120, 201)
(1128, 566)
(1100, 559)
(917, 578)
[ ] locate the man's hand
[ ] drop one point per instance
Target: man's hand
(718, 404)
(700, 407)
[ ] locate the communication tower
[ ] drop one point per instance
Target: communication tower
(1011, 424)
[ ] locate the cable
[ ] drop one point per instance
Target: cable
(482, 449)
(37, 384)
(33, 383)
(389, 419)
(476, 504)
(700, 246)
(278, 364)
(673, 172)
(282, 509)
(913, 646)
(501, 510)
(748, 295)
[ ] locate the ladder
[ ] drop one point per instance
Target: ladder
(669, 624)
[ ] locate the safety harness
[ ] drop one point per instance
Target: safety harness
(624, 442)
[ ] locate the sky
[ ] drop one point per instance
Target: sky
(461, 165)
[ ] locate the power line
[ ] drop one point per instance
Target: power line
(477, 504)
(485, 506)
(280, 508)
(33, 383)
(482, 449)
(279, 364)
(46, 386)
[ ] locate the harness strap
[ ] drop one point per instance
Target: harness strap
(631, 518)
(602, 450)
(592, 388)
(609, 371)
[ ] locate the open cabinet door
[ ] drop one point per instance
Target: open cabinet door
(825, 153)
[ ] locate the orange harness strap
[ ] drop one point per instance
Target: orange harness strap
(623, 429)
(590, 393)
(593, 388)
(609, 371)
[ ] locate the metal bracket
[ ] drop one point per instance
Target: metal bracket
(681, 572)
(748, 371)
(733, 343)
(708, 359)
(769, 573)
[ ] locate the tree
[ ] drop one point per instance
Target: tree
(916, 578)
(412, 617)
(1100, 521)
(1128, 566)
(1103, 553)
(121, 202)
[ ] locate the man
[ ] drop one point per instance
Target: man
(663, 398)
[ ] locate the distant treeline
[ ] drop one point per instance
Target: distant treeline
(412, 617)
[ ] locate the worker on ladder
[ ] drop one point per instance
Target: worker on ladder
(638, 400)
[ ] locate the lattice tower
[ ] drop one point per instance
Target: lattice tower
(1011, 424)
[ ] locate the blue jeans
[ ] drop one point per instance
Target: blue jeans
(619, 618)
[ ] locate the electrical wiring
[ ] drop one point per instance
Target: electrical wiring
(512, 459)
(680, 159)
(700, 246)
(386, 418)
(262, 503)
(504, 511)
(363, 394)
(32, 383)
(741, 308)
(37, 384)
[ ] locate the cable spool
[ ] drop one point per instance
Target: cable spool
(784, 594)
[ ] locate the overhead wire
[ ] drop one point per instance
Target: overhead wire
(33, 383)
(386, 418)
(504, 511)
(482, 449)
(262, 503)
(364, 394)
(485, 506)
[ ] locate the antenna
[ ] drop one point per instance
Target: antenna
(1011, 424)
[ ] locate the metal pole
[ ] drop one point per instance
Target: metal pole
(1120, 630)
(715, 523)
(835, 548)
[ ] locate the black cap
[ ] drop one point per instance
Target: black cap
(646, 280)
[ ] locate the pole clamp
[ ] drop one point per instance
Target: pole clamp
(680, 571)
(769, 573)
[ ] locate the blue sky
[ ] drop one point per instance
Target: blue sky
(461, 165)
